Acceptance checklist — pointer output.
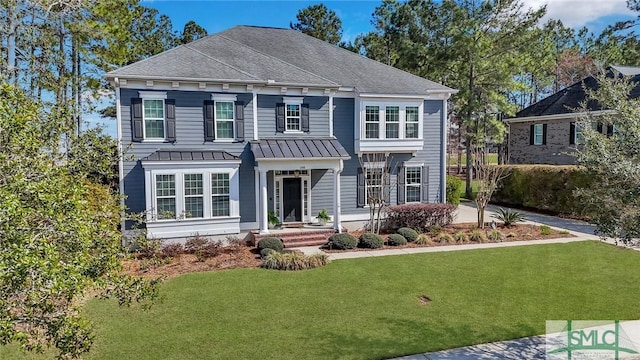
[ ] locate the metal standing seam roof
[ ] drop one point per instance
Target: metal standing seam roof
(317, 148)
(190, 155)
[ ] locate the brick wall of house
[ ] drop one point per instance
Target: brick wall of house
(556, 151)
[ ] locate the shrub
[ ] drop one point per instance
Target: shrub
(477, 236)
(495, 235)
(544, 187)
(419, 216)
(396, 240)
(445, 238)
(148, 248)
(454, 188)
(195, 243)
(294, 261)
(435, 230)
(545, 230)
(235, 242)
(266, 252)
(172, 250)
(271, 243)
(371, 241)
(408, 233)
(342, 241)
(511, 235)
(424, 239)
(508, 216)
(209, 250)
(460, 237)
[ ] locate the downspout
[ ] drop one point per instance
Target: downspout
(443, 151)
(254, 102)
(331, 114)
(120, 160)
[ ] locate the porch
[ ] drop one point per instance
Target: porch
(300, 235)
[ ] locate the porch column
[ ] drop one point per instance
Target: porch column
(337, 224)
(264, 222)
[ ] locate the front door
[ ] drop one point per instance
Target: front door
(292, 199)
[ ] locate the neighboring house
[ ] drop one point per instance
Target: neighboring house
(546, 132)
(222, 130)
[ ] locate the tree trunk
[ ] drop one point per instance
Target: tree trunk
(481, 216)
(469, 174)
(469, 166)
(11, 43)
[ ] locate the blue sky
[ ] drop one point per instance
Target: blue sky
(218, 15)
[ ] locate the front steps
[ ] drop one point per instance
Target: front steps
(297, 237)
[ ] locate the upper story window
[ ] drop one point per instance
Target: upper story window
(153, 118)
(391, 120)
(224, 119)
(538, 134)
(292, 121)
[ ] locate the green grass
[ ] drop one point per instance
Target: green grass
(369, 309)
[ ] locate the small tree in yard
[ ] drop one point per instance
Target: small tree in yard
(376, 173)
(489, 177)
(612, 159)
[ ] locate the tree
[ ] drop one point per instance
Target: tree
(319, 22)
(59, 234)
(94, 156)
(376, 177)
(489, 177)
(191, 32)
(613, 159)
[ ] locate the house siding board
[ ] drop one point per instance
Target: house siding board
(189, 136)
(318, 117)
(430, 155)
(556, 151)
(321, 192)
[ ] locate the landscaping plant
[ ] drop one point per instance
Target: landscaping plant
(370, 241)
(424, 239)
(445, 238)
(270, 243)
(396, 240)
(508, 216)
(408, 233)
(343, 241)
(419, 216)
(461, 237)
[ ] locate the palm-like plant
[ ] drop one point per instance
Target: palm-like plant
(508, 216)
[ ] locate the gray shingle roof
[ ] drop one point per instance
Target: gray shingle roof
(189, 155)
(259, 54)
(298, 149)
(570, 98)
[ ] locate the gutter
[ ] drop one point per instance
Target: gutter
(559, 116)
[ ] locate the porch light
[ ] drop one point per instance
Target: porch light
(296, 173)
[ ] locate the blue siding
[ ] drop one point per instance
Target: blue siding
(318, 117)
(321, 192)
(431, 154)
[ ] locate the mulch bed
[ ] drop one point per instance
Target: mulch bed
(517, 232)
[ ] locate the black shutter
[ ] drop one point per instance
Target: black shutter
(599, 128)
(170, 118)
(609, 130)
(572, 133)
(544, 134)
(361, 189)
(239, 120)
(304, 117)
(136, 119)
(280, 117)
(401, 183)
(531, 134)
(425, 184)
(209, 125)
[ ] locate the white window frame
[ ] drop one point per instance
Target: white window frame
(220, 98)
(212, 195)
(365, 122)
(292, 101)
(156, 197)
(151, 198)
(373, 166)
(541, 134)
(382, 123)
(394, 123)
(185, 196)
(407, 185)
(278, 194)
(407, 122)
(154, 95)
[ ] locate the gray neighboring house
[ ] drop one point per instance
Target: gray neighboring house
(546, 132)
(253, 119)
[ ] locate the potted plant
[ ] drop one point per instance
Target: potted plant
(323, 217)
(273, 220)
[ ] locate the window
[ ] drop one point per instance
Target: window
(224, 119)
(153, 112)
(292, 118)
(372, 122)
(411, 123)
(193, 196)
(166, 196)
(538, 134)
(373, 184)
(579, 137)
(220, 194)
(413, 181)
(392, 122)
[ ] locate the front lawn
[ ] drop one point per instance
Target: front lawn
(370, 309)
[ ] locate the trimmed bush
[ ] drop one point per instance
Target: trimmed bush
(371, 241)
(419, 216)
(294, 261)
(342, 241)
(544, 187)
(271, 243)
(461, 237)
(454, 188)
(266, 252)
(445, 238)
(424, 239)
(477, 236)
(408, 233)
(396, 240)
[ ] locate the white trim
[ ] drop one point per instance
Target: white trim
(297, 164)
(560, 116)
(406, 183)
(355, 217)
(254, 104)
(152, 95)
(381, 143)
(288, 100)
(331, 108)
(187, 164)
(535, 128)
(307, 202)
(224, 97)
(443, 153)
(244, 226)
(120, 155)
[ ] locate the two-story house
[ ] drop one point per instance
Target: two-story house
(547, 132)
(223, 130)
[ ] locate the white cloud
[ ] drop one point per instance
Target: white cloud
(577, 13)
